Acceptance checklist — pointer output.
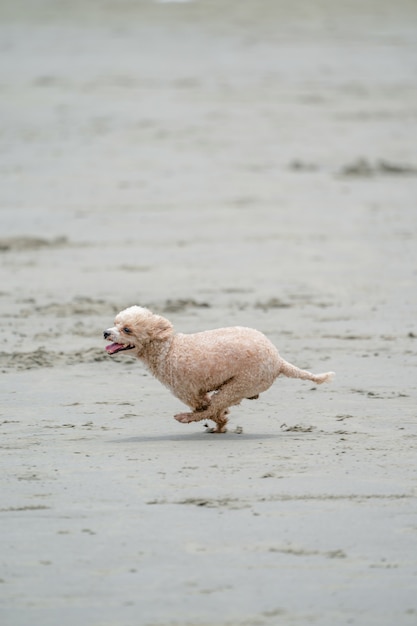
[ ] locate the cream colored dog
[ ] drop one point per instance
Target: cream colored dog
(209, 371)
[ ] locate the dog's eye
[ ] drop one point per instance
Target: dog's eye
(127, 330)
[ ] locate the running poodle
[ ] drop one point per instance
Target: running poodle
(209, 371)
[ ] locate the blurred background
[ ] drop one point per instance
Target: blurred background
(187, 149)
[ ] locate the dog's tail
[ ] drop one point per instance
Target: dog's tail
(295, 372)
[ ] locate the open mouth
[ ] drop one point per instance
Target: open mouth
(112, 348)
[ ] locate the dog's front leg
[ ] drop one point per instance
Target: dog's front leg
(199, 404)
(187, 418)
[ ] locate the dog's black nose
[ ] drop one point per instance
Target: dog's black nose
(106, 334)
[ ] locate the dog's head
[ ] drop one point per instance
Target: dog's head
(135, 328)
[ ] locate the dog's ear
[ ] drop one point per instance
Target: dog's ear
(162, 328)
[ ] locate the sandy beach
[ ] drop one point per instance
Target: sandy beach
(223, 163)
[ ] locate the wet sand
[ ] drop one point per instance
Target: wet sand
(222, 165)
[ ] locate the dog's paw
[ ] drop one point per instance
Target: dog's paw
(215, 431)
(218, 429)
(185, 418)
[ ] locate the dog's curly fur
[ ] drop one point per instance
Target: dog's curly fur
(209, 371)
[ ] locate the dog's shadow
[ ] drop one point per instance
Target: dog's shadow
(200, 436)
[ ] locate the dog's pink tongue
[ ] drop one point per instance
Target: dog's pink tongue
(114, 347)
